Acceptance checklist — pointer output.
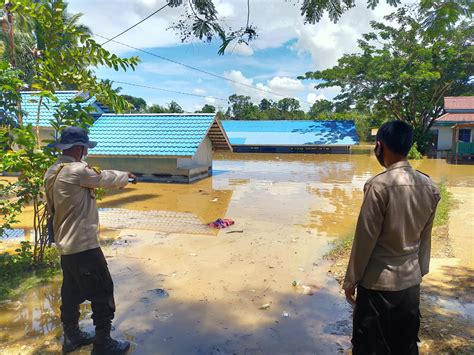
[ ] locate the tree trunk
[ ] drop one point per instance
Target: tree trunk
(38, 113)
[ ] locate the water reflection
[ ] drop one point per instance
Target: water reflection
(34, 313)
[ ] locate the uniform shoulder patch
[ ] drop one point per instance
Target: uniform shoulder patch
(94, 168)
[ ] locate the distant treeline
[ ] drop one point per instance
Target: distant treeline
(242, 108)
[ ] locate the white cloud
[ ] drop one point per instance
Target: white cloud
(210, 100)
(285, 84)
(237, 76)
(224, 8)
(165, 68)
(274, 89)
(325, 93)
(327, 41)
(241, 49)
(199, 91)
(312, 97)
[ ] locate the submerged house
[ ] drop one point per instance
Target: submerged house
(282, 136)
(30, 102)
(158, 147)
(453, 132)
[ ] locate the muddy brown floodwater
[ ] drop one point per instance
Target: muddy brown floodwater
(182, 288)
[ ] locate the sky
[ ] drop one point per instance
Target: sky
(284, 49)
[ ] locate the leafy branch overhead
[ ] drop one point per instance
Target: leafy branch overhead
(201, 19)
(66, 52)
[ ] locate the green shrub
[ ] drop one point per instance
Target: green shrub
(414, 153)
(19, 269)
(444, 206)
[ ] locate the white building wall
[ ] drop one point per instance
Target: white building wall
(445, 138)
(203, 156)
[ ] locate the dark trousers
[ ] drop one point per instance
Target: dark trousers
(386, 322)
(86, 277)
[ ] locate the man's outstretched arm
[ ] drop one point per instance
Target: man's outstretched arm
(94, 178)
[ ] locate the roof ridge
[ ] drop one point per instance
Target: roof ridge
(159, 114)
(57, 92)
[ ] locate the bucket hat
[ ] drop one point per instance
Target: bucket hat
(72, 136)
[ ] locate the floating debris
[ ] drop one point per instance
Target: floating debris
(304, 289)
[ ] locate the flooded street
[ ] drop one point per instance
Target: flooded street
(183, 288)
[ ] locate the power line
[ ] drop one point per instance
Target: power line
(167, 90)
(135, 25)
(194, 68)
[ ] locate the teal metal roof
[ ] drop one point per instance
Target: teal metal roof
(30, 100)
(150, 134)
(291, 133)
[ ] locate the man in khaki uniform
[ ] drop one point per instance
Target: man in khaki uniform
(70, 185)
(391, 249)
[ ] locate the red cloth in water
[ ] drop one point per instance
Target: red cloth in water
(221, 223)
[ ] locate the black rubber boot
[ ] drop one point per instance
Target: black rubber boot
(105, 345)
(75, 338)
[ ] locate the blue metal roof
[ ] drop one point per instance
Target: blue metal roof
(29, 105)
(291, 133)
(150, 134)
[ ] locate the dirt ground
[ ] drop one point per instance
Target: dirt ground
(447, 298)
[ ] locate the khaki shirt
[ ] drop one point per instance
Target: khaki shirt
(71, 193)
(392, 242)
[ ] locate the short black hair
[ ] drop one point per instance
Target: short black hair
(397, 136)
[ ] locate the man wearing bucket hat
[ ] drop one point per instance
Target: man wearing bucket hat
(69, 186)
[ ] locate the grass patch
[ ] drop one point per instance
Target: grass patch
(444, 206)
(341, 247)
(18, 273)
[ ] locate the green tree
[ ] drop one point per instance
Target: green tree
(30, 41)
(242, 108)
(57, 66)
(403, 71)
(208, 109)
(321, 107)
(173, 107)
(156, 108)
(288, 104)
(10, 85)
(138, 104)
(265, 104)
(289, 109)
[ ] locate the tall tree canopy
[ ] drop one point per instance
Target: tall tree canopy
(403, 70)
(207, 109)
(138, 104)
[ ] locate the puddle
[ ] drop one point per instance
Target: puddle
(464, 309)
(287, 209)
